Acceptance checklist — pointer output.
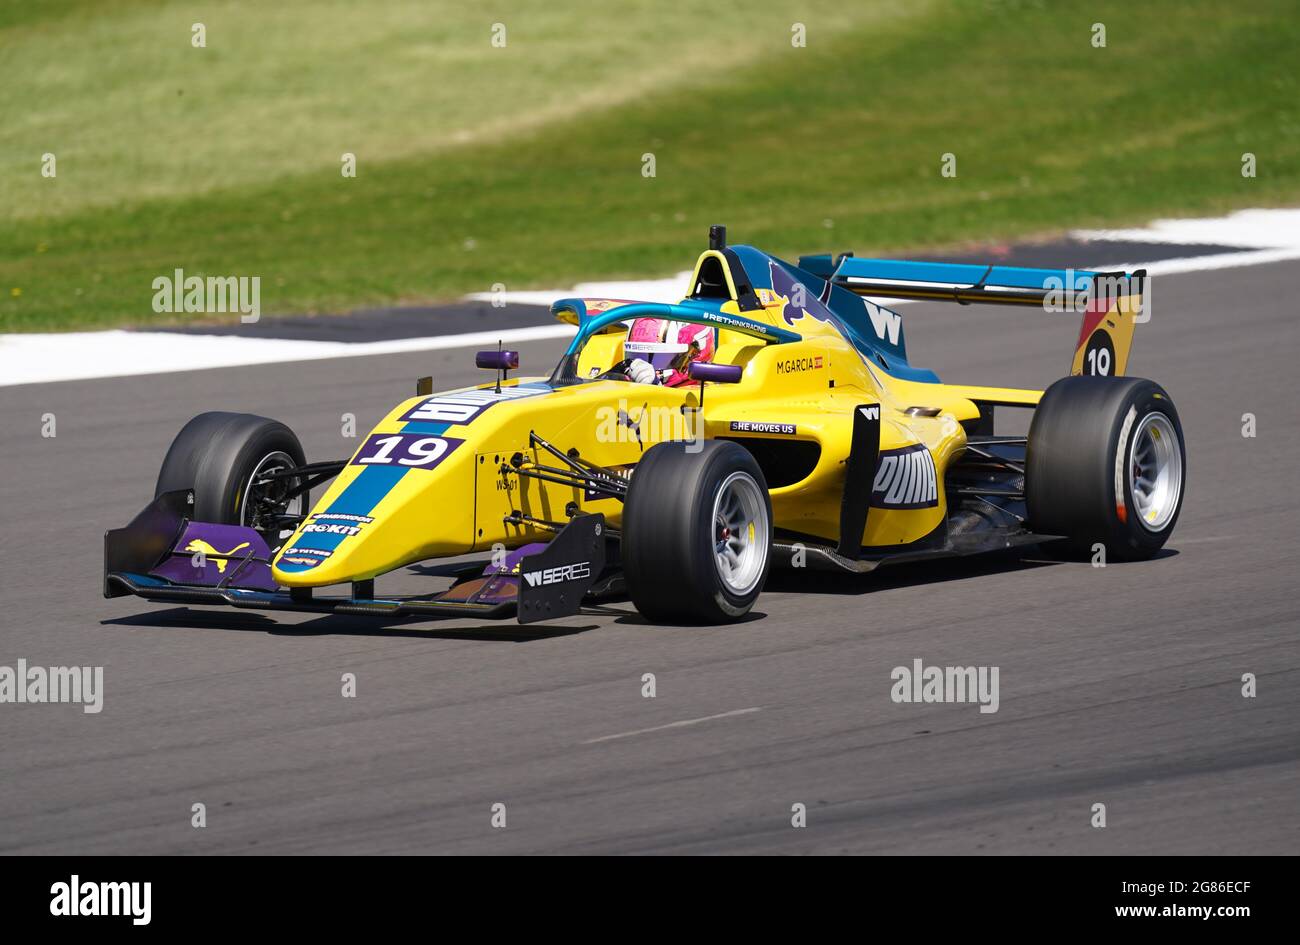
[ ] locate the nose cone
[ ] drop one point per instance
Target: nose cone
(383, 512)
(408, 493)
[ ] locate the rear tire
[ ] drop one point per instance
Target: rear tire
(697, 533)
(217, 455)
(1106, 464)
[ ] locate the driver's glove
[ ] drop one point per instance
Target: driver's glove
(642, 372)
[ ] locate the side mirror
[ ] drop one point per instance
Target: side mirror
(715, 373)
(497, 360)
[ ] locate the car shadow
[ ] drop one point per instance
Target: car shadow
(634, 619)
(897, 576)
(918, 573)
(342, 625)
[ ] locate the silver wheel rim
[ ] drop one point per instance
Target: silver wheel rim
(255, 494)
(740, 532)
(1155, 471)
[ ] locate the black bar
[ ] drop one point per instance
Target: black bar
(859, 474)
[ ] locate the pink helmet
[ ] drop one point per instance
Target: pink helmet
(669, 346)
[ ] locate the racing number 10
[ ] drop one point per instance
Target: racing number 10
(1099, 361)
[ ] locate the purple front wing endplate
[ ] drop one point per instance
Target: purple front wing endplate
(211, 555)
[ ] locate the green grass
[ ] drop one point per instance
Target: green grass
(522, 165)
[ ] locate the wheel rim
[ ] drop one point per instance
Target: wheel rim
(740, 532)
(1155, 471)
(264, 502)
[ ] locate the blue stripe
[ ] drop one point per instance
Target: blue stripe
(365, 492)
(421, 426)
(360, 497)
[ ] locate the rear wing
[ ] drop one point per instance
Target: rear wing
(1111, 302)
(967, 284)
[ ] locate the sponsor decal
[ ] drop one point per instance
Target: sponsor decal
(336, 523)
(755, 426)
(886, 323)
(342, 517)
(466, 406)
(332, 528)
(597, 306)
(307, 557)
(1121, 458)
(727, 321)
(558, 574)
(314, 552)
(797, 298)
(872, 412)
(905, 479)
(799, 365)
(624, 420)
(218, 557)
(414, 450)
(209, 553)
(621, 474)
(799, 303)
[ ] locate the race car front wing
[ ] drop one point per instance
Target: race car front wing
(165, 557)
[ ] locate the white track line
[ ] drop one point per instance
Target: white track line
(38, 359)
(1273, 228)
(681, 724)
(668, 290)
(1266, 236)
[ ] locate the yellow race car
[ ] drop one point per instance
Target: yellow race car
(677, 452)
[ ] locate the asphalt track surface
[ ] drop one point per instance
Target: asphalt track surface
(1119, 686)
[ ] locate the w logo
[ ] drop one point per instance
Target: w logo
(886, 323)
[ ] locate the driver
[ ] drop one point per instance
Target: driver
(660, 351)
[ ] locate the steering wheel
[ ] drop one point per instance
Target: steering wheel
(617, 373)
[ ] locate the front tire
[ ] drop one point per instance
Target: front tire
(697, 533)
(1106, 464)
(220, 456)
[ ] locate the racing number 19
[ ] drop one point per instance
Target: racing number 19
(424, 451)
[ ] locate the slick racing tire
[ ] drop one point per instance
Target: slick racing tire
(1106, 464)
(697, 533)
(220, 456)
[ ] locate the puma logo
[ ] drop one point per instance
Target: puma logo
(199, 545)
(625, 420)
